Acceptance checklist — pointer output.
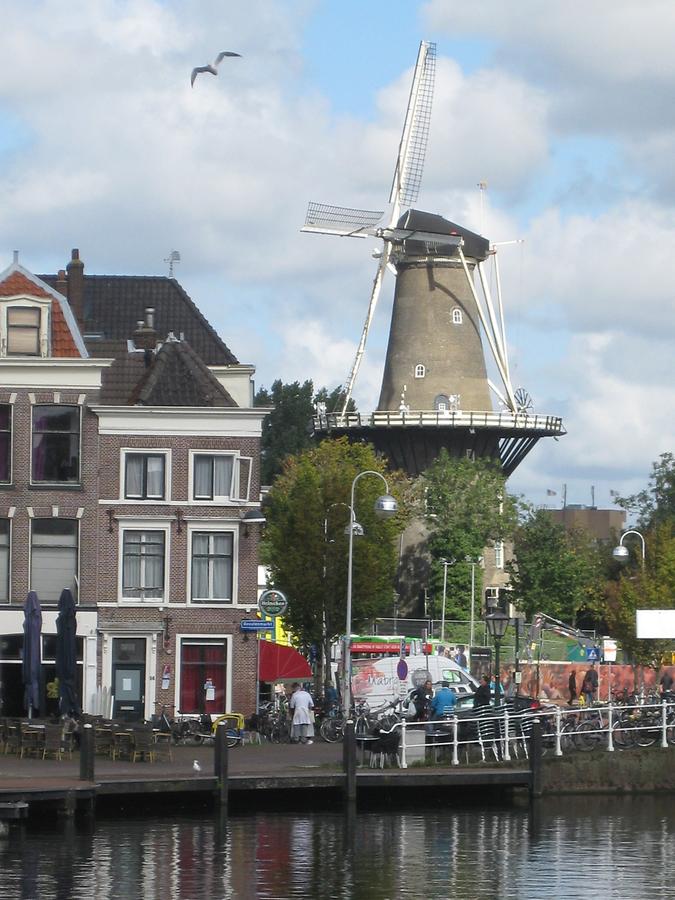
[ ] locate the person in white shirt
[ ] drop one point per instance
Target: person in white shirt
(303, 716)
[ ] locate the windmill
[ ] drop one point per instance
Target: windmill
(435, 376)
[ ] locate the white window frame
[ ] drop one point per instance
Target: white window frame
(80, 411)
(227, 640)
(43, 332)
(10, 521)
(499, 554)
(213, 526)
(420, 370)
(125, 525)
(78, 537)
(457, 317)
(234, 497)
(11, 443)
(145, 451)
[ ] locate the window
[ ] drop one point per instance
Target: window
(499, 554)
(4, 560)
(203, 661)
(5, 443)
(420, 371)
(23, 331)
(212, 476)
(441, 403)
(54, 545)
(56, 444)
(143, 565)
(144, 476)
(211, 580)
(456, 316)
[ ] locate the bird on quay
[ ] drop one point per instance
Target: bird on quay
(196, 766)
(213, 69)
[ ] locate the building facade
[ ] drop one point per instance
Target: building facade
(130, 456)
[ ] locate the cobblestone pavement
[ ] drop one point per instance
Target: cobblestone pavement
(253, 759)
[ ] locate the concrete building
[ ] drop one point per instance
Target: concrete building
(602, 524)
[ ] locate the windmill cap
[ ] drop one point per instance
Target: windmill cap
(475, 246)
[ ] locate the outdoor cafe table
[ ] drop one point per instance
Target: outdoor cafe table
(365, 740)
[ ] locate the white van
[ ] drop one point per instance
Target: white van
(377, 680)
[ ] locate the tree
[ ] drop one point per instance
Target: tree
(554, 571)
(651, 586)
(465, 505)
(288, 428)
(656, 503)
(306, 547)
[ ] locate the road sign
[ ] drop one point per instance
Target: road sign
(255, 625)
(593, 654)
(272, 603)
(609, 650)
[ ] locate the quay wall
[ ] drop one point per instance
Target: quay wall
(640, 770)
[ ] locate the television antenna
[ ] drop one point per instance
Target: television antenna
(172, 258)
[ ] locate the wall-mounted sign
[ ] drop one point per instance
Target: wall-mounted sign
(255, 625)
(272, 603)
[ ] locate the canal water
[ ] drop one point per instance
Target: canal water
(590, 847)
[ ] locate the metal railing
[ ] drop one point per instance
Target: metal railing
(520, 421)
(505, 734)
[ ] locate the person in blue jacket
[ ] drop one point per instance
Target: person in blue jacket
(444, 702)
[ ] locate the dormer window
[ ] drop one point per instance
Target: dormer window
(23, 331)
(24, 327)
(457, 316)
(420, 371)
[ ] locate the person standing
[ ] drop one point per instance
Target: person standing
(590, 686)
(443, 702)
(302, 707)
(482, 695)
(460, 657)
(422, 698)
(666, 682)
(572, 685)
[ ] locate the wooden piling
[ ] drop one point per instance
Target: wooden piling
(87, 753)
(221, 767)
(349, 761)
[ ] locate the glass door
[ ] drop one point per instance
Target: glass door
(128, 679)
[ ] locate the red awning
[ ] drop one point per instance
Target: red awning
(278, 663)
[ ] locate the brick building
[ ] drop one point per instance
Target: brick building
(129, 460)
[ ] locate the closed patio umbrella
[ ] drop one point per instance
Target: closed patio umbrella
(66, 654)
(32, 652)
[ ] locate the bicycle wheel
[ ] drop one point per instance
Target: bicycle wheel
(623, 734)
(647, 732)
(586, 736)
(331, 730)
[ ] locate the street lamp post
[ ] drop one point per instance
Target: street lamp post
(497, 623)
(325, 653)
(620, 553)
(385, 506)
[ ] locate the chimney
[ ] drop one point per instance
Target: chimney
(61, 283)
(75, 291)
(145, 336)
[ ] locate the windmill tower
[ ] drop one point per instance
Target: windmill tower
(435, 390)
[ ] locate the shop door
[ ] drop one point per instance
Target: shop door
(128, 679)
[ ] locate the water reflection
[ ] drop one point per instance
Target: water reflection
(566, 847)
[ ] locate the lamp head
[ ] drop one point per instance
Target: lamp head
(620, 553)
(497, 623)
(385, 506)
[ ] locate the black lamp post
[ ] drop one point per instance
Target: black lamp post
(497, 623)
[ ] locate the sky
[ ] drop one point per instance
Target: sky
(564, 110)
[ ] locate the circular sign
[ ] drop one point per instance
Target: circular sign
(402, 670)
(272, 603)
(419, 676)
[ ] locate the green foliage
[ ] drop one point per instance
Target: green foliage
(465, 505)
(288, 428)
(555, 571)
(655, 504)
(306, 546)
(638, 587)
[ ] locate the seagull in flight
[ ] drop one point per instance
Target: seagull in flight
(213, 69)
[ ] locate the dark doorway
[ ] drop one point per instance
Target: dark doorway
(128, 678)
